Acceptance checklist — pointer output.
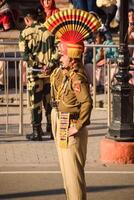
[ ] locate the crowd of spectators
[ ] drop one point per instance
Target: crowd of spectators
(102, 54)
(108, 12)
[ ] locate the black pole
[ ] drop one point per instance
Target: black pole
(122, 126)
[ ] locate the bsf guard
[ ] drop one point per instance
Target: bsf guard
(38, 50)
(72, 105)
(71, 99)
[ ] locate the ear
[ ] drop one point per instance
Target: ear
(26, 20)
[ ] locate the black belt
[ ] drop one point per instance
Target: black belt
(74, 116)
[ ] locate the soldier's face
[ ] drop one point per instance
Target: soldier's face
(65, 61)
(62, 48)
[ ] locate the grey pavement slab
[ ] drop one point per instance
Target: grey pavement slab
(30, 170)
(16, 150)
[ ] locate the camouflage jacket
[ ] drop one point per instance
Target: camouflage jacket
(37, 47)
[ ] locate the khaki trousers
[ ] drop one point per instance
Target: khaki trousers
(72, 160)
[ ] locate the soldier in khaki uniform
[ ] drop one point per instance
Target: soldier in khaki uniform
(71, 99)
(71, 113)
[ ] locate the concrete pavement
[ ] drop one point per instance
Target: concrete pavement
(16, 150)
(30, 170)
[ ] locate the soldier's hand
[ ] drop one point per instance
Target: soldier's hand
(46, 70)
(72, 131)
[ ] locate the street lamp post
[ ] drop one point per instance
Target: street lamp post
(122, 126)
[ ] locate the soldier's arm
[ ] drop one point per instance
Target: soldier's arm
(54, 61)
(50, 45)
(81, 89)
(23, 46)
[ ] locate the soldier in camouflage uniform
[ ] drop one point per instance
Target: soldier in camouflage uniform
(38, 50)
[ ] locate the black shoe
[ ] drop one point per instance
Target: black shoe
(49, 131)
(33, 137)
(52, 137)
(37, 133)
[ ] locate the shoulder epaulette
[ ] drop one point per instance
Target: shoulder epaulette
(73, 74)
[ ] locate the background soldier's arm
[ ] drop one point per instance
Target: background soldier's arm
(23, 47)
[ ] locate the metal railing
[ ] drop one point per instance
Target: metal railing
(17, 100)
(106, 68)
(18, 84)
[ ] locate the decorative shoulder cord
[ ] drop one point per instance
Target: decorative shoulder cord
(62, 88)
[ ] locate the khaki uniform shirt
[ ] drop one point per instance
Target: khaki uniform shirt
(72, 93)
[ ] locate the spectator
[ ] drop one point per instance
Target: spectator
(5, 16)
(37, 47)
(131, 40)
(108, 8)
(49, 7)
(102, 54)
(87, 5)
(131, 28)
